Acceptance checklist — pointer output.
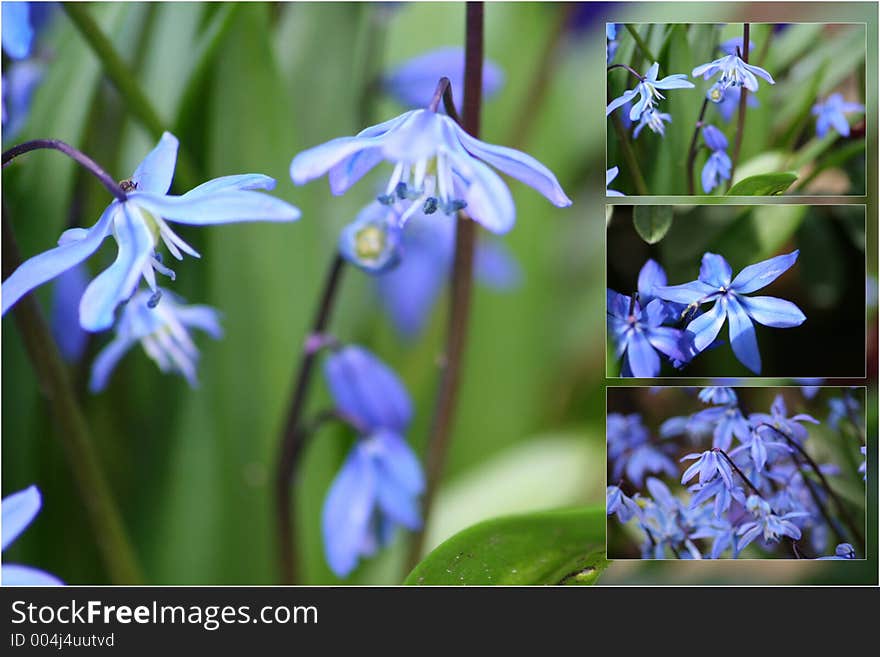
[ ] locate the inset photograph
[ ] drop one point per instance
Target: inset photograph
(729, 291)
(736, 473)
(735, 109)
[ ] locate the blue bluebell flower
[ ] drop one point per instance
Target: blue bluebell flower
(70, 337)
(138, 224)
(413, 83)
(779, 420)
(612, 42)
(666, 525)
(723, 535)
(830, 113)
(409, 290)
(372, 242)
(617, 502)
(160, 321)
(718, 165)
(716, 283)
(639, 334)
(843, 408)
(438, 166)
(842, 551)
(610, 175)
(648, 91)
(727, 101)
(17, 31)
(379, 484)
(727, 422)
(20, 80)
(720, 395)
(18, 511)
(762, 448)
(631, 451)
(654, 120)
(708, 464)
(767, 524)
(716, 489)
(734, 73)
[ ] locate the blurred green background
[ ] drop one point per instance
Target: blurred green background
(827, 282)
(245, 87)
(808, 62)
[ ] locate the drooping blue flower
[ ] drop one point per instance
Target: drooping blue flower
(716, 489)
(413, 83)
(708, 464)
(631, 451)
(376, 489)
(610, 175)
(718, 165)
(617, 502)
(380, 482)
(18, 511)
(843, 551)
(438, 166)
(762, 448)
(734, 73)
(767, 524)
(372, 242)
(69, 335)
(409, 290)
(17, 32)
(716, 283)
(639, 334)
(830, 114)
(727, 422)
(779, 420)
(723, 535)
(717, 395)
(648, 91)
(138, 224)
(19, 82)
(727, 101)
(654, 120)
(160, 322)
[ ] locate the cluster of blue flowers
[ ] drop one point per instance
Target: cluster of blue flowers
(405, 238)
(670, 319)
(760, 491)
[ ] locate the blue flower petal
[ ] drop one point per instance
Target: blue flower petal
(518, 165)
(651, 275)
(398, 461)
(117, 283)
(761, 274)
(245, 181)
(715, 270)
(219, 208)
(774, 312)
(622, 100)
(742, 337)
(17, 511)
(348, 508)
(643, 360)
(106, 360)
(155, 173)
(489, 201)
(315, 162)
(16, 575)
(677, 81)
(17, 32)
(35, 271)
(686, 293)
(201, 317)
(707, 326)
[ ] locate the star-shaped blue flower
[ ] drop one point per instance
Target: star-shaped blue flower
(639, 334)
(767, 524)
(648, 91)
(162, 329)
(830, 113)
(717, 284)
(437, 166)
(654, 120)
(18, 511)
(734, 73)
(138, 224)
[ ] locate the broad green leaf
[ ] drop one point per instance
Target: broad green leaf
(551, 547)
(652, 222)
(767, 184)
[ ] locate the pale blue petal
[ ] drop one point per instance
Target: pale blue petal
(117, 283)
(219, 208)
(46, 266)
(315, 162)
(620, 101)
(17, 32)
(106, 361)
(488, 198)
(668, 341)
(156, 171)
(397, 504)
(707, 326)
(839, 122)
(66, 295)
(761, 274)
(715, 270)
(201, 317)
(760, 72)
(17, 511)
(345, 174)
(774, 312)
(651, 276)
(518, 165)
(244, 181)
(742, 337)
(706, 70)
(677, 81)
(398, 461)
(687, 293)
(651, 75)
(16, 575)
(641, 105)
(643, 360)
(345, 519)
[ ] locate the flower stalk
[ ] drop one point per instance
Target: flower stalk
(461, 288)
(741, 115)
(114, 545)
(692, 149)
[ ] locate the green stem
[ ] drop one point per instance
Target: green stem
(125, 81)
(646, 52)
(632, 162)
(113, 544)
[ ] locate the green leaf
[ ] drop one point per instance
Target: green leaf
(551, 547)
(765, 184)
(652, 222)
